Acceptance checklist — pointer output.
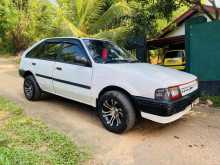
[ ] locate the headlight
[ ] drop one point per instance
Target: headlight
(172, 93)
(162, 94)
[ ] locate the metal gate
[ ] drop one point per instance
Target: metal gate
(203, 53)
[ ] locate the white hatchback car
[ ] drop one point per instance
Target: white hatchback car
(100, 74)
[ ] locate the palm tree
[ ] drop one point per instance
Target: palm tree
(93, 18)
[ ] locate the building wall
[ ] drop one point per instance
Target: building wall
(178, 32)
(181, 29)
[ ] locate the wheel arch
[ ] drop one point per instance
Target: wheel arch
(116, 88)
(27, 73)
(111, 88)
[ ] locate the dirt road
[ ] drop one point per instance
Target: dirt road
(192, 140)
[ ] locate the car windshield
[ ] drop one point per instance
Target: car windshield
(106, 52)
(174, 54)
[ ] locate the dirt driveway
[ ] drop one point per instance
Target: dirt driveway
(192, 140)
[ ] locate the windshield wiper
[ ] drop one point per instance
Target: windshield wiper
(123, 61)
(117, 61)
(136, 61)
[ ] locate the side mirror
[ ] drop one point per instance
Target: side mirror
(82, 61)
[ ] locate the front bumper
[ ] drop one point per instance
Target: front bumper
(165, 111)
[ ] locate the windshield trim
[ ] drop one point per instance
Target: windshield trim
(87, 51)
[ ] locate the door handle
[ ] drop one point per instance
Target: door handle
(58, 68)
(33, 63)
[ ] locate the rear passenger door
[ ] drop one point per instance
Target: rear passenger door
(45, 63)
(72, 76)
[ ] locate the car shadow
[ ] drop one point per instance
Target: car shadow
(72, 105)
(89, 114)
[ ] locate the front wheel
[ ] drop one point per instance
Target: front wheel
(116, 112)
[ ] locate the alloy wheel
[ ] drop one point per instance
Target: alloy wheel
(112, 112)
(28, 89)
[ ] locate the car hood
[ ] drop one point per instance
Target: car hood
(165, 76)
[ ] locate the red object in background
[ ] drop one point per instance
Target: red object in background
(104, 54)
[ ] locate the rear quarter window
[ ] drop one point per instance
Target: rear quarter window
(45, 51)
(36, 51)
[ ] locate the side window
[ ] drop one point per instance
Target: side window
(51, 51)
(73, 53)
(36, 52)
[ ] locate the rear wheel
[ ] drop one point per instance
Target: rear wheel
(32, 90)
(116, 112)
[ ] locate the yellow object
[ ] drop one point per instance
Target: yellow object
(175, 59)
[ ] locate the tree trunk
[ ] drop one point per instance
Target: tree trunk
(141, 49)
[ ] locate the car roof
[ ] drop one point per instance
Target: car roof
(96, 39)
(58, 39)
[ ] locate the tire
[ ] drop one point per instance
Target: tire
(31, 88)
(116, 112)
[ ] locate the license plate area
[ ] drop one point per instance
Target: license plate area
(188, 88)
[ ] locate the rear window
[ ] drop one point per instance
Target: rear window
(174, 54)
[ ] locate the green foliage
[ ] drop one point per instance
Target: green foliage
(8, 106)
(148, 15)
(95, 18)
(23, 22)
(117, 20)
(24, 141)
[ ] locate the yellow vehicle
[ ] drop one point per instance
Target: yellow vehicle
(175, 59)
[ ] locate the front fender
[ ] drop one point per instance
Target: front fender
(127, 87)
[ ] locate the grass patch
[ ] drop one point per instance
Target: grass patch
(214, 99)
(8, 106)
(25, 141)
